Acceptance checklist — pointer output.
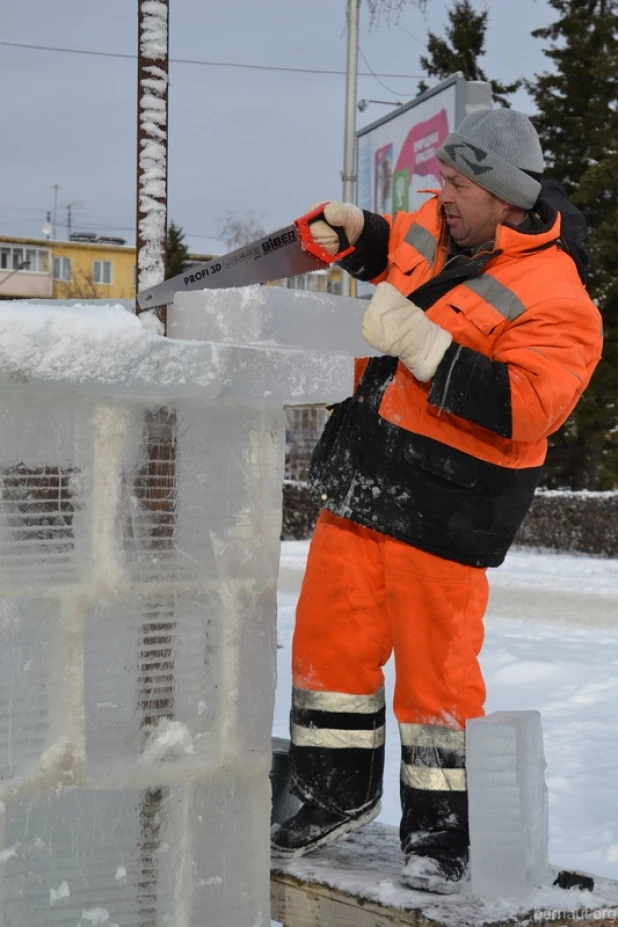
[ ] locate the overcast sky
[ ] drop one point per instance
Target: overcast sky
(242, 140)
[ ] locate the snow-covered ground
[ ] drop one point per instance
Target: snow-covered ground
(551, 645)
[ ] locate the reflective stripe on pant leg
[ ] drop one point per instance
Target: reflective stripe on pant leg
(436, 610)
(434, 801)
(337, 748)
(341, 641)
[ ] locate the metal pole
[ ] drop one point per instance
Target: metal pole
(156, 483)
(348, 174)
(70, 219)
(152, 134)
(55, 211)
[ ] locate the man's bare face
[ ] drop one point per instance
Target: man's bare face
(472, 213)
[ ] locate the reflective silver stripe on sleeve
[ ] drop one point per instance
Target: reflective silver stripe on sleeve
(336, 739)
(430, 735)
(338, 701)
(497, 295)
(433, 779)
(423, 241)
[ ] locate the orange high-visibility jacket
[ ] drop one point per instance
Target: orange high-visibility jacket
(451, 465)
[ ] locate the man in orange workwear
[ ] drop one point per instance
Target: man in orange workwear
(425, 474)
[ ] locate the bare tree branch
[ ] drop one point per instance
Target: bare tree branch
(390, 9)
(237, 231)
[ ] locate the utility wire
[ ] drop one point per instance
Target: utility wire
(381, 83)
(212, 64)
(92, 224)
(106, 225)
(411, 34)
(21, 208)
(18, 221)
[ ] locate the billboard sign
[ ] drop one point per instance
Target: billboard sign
(396, 156)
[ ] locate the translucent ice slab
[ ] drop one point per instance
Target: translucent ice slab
(508, 803)
(272, 315)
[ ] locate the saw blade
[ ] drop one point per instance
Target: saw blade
(274, 257)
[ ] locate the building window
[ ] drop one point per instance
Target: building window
(333, 286)
(62, 269)
(316, 281)
(42, 261)
(102, 272)
(25, 260)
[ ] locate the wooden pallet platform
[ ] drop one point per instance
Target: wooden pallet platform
(356, 884)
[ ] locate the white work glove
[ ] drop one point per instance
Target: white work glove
(394, 325)
(349, 217)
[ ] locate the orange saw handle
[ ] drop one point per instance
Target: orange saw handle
(309, 244)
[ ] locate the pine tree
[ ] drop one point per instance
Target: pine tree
(460, 50)
(578, 124)
(177, 251)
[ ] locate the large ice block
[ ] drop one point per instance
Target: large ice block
(272, 314)
(507, 794)
(178, 856)
(140, 518)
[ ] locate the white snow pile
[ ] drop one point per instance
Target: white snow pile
(367, 865)
(169, 740)
(85, 343)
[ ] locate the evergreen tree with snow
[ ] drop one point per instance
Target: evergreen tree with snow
(177, 251)
(460, 50)
(577, 120)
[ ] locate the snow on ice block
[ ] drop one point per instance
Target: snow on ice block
(507, 794)
(106, 350)
(140, 522)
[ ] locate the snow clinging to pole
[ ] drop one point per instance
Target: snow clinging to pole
(153, 86)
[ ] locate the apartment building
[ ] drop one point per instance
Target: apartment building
(88, 266)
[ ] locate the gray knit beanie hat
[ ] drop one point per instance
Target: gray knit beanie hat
(493, 147)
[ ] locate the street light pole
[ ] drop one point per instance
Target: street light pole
(56, 186)
(348, 174)
(363, 104)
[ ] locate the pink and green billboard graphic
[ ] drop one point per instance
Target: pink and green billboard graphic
(416, 158)
(397, 153)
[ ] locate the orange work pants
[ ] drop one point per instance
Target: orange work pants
(366, 595)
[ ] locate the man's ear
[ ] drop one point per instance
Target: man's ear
(510, 213)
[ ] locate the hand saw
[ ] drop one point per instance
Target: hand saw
(286, 253)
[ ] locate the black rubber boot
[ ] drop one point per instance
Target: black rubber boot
(436, 869)
(312, 827)
(434, 809)
(434, 837)
(336, 764)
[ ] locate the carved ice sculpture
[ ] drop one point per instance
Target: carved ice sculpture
(140, 516)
